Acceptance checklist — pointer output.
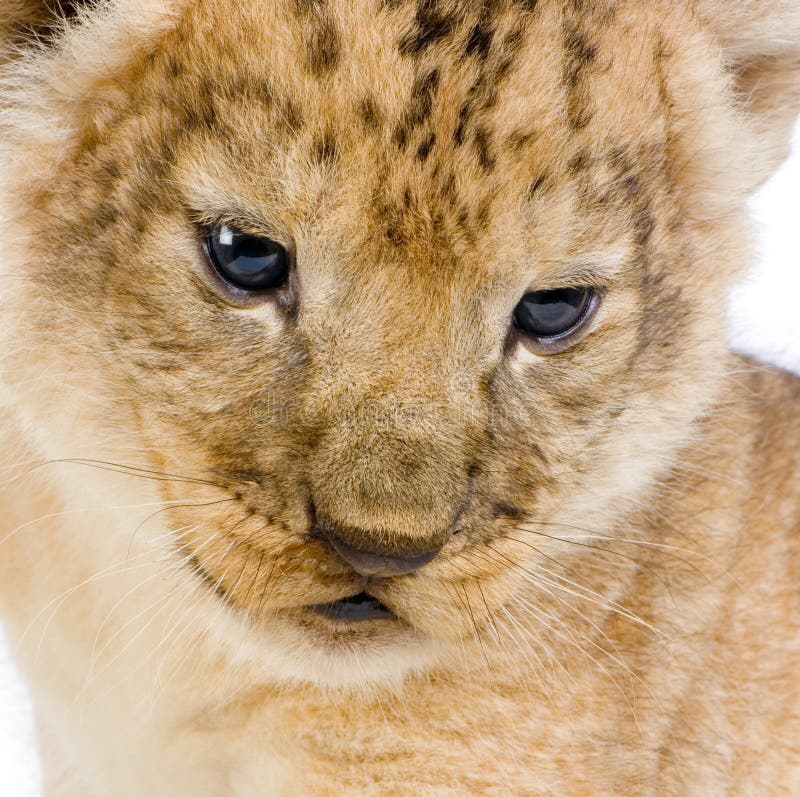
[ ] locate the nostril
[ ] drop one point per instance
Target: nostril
(374, 561)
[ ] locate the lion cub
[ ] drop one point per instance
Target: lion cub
(366, 417)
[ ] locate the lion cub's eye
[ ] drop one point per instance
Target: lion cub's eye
(249, 262)
(553, 317)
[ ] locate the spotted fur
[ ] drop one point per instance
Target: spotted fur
(614, 610)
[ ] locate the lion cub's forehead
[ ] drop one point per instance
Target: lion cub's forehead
(439, 119)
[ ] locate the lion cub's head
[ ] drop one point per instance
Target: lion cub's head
(379, 294)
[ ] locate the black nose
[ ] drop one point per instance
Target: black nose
(372, 561)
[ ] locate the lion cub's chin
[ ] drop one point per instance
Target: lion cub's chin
(307, 648)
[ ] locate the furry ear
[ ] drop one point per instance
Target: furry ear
(26, 19)
(760, 41)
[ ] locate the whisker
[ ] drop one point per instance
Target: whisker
(598, 599)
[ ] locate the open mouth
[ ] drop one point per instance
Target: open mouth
(355, 609)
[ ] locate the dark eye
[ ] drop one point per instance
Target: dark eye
(249, 262)
(550, 315)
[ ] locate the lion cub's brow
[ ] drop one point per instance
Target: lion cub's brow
(420, 134)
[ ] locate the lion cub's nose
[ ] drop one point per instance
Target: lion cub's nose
(372, 560)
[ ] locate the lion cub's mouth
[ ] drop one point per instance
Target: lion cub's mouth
(355, 609)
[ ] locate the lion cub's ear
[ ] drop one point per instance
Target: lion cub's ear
(26, 19)
(760, 40)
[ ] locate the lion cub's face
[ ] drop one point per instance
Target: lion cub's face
(400, 290)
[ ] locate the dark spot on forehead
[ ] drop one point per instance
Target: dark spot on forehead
(536, 186)
(368, 112)
(484, 91)
(519, 139)
(400, 136)
(482, 214)
(431, 24)
(106, 215)
(479, 40)
(604, 11)
(483, 147)
(325, 149)
(631, 185)
(307, 6)
(463, 118)
(292, 115)
(447, 190)
(196, 106)
(108, 171)
(502, 69)
(579, 112)
(422, 96)
(390, 216)
(174, 67)
(419, 106)
(579, 162)
(244, 88)
(512, 41)
(620, 160)
(324, 45)
(580, 52)
(425, 147)
(580, 57)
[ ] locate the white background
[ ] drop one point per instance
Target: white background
(765, 320)
(765, 312)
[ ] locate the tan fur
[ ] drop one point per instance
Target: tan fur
(614, 611)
